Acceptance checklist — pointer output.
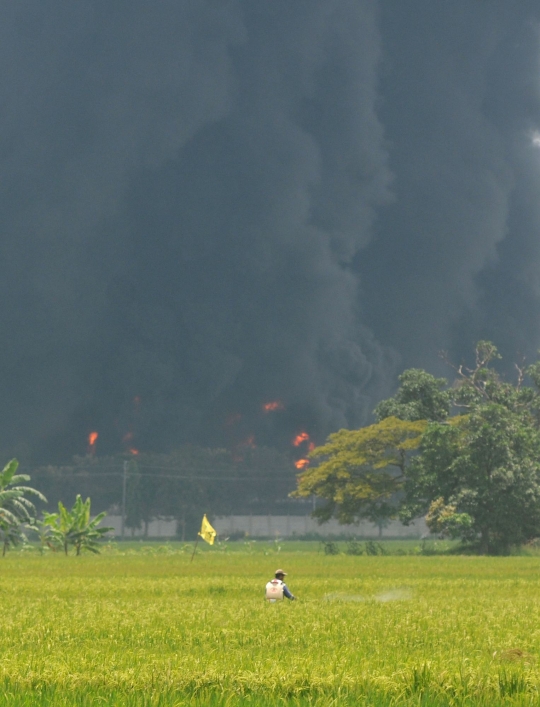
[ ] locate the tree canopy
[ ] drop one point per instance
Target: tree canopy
(465, 455)
(361, 470)
(420, 396)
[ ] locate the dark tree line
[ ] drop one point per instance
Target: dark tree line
(181, 485)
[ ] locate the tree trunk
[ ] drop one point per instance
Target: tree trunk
(66, 547)
(4, 550)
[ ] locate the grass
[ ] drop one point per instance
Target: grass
(141, 625)
(271, 546)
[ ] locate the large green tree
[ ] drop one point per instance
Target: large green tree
(473, 468)
(478, 479)
(361, 471)
(420, 396)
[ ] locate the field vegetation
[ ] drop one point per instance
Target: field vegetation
(141, 625)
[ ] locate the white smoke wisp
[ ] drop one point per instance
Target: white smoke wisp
(401, 594)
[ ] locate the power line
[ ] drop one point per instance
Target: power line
(67, 470)
(169, 476)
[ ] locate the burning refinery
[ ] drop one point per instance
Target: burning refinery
(243, 433)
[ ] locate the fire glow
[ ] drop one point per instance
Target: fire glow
(273, 406)
(127, 439)
(300, 438)
(92, 439)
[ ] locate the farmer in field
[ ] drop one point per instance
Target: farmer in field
(276, 588)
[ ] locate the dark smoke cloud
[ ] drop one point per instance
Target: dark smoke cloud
(186, 185)
(210, 205)
(461, 89)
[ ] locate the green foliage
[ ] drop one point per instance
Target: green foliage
(142, 490)
(16, 510)
(361, 470)
(478, 476)
(155, 631)
(485, 469)
(331, 548)
(45, 536)
(420, 396)
(354, 548)
(475, 474)
(11, 535)
(444, 520)
(182, 485)
(75, 527)
(482, 384)
(374, 548)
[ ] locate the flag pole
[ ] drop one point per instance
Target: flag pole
(206, 532)
(195, 548)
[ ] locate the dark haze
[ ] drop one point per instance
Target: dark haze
(210, 205)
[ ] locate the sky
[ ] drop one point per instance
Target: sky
(208, 206)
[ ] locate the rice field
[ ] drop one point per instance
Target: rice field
(147, 627)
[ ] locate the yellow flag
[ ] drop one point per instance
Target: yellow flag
(207, 533)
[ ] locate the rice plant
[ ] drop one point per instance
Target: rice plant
(150, 629)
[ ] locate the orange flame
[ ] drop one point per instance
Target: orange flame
(133, 451)
(273, 406)
(92, 439)
(300, 437)
(301, 463)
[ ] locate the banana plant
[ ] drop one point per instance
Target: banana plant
(16, 510)
(11, 534)
(75, 527)
(45, 537)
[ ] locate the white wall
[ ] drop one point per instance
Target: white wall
(276, 526)
(159, 528)
(287, 526)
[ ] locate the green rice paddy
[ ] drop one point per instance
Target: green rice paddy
(147, 627)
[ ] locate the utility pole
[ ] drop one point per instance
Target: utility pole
(124, 485)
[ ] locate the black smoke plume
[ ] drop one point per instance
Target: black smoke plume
(210, 205)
